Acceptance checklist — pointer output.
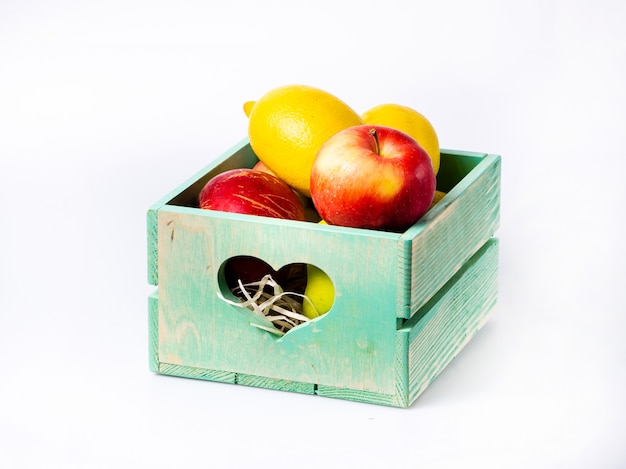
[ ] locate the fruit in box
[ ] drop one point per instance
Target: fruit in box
(289, 124)
(320, 292)
(373, 177)
(251, 192)
(409, 121)
(432, 289)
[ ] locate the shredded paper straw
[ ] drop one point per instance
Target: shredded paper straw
(279, 310)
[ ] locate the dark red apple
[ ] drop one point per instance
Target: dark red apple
(372, 176)
(251, 192)
(248, 269)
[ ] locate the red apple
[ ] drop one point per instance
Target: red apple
(251, 192)
(372, 176)
(309, 211)
(291, 277)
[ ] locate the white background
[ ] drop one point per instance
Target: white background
(107, 106)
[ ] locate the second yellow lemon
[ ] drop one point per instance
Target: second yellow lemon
(409, 121)
(289, 124)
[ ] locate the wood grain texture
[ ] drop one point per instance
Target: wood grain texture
(153, 331)
(153, 251)
(275, 384)
(438, 332)
(352, 346)
(183, 371)
(440, 243)
(356, 395)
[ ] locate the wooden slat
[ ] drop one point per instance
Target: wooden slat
(438, 332)
(153, 251)
(401, 367)
(367, 397)
(275, 384)
(447, 236)
(153, 331)
(197, 373)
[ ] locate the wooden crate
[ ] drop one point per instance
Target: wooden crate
(406, 303)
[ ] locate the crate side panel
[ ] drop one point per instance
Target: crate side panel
(456, 167)
(352, 346)
(452, 318)
(453, 231)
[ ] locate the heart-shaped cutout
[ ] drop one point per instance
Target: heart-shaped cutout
(275, 300)
(252, 269)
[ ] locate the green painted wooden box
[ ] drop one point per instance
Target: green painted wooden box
(406, 303)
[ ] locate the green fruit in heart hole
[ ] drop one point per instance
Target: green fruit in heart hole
(320, 290)
(298, 278)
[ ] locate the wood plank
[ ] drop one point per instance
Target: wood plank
(153, 250)
(153, 331)
(451, 318)
(367, 397)
(440, 243)
(275, 384)
(401, 367)
(182, 371)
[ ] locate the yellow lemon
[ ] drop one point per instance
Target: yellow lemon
(320, 290)
(410, 122)
(289, 124)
